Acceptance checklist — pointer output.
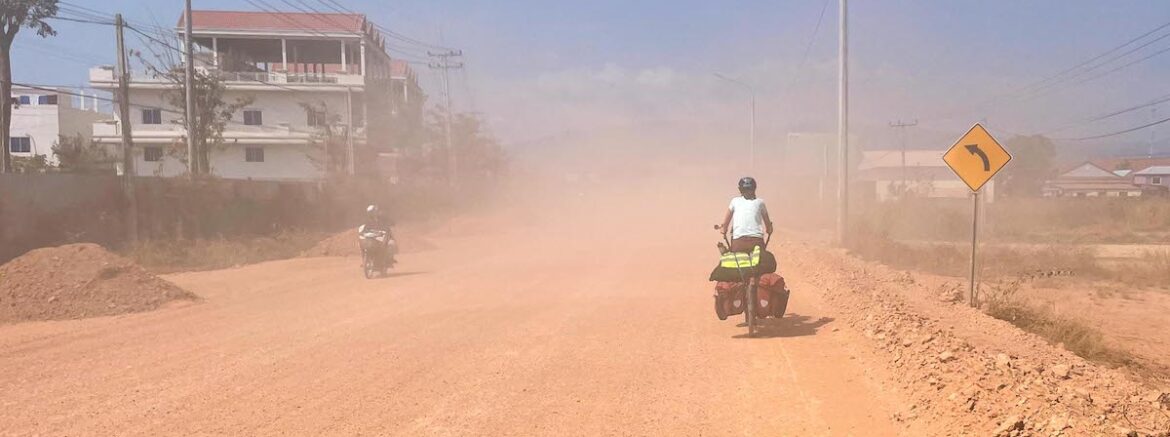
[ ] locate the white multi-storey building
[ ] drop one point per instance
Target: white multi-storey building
(41, 117)
(303, 74)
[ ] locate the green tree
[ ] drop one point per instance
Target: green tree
(212, 114)
(331, 153)
(30, 164)
(14, 15)
(479, 156)
(1032, 164)
(76, 154)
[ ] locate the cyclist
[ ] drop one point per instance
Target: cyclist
(747, 218)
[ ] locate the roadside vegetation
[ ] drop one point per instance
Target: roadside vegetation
(1001, 301)
(1005, 268)
(1025, 220)
(166, 256)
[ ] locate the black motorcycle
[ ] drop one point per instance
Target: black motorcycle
(377, 253)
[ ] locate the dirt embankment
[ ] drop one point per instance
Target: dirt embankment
(76, 281)
(970, 374)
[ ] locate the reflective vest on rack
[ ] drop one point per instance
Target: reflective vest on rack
(740, 260)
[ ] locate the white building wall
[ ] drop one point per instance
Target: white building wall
(41, 124)
(280, 108)
(281, 163)
(44, 124)
(287, 156)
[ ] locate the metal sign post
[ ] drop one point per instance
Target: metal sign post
(976, 158)
(971, 299)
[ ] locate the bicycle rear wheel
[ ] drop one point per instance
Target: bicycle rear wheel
(750, 311)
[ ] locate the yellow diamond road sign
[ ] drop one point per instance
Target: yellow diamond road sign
(976, 157)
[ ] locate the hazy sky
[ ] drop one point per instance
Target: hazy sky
(537, 68)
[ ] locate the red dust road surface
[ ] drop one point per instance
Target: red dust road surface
(516, 333)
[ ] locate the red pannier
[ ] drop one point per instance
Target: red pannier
(772, 295)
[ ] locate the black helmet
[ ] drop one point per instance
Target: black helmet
(747, 183)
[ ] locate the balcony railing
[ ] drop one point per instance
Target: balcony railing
(105, 74)
(112, 129)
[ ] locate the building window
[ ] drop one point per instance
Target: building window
(317, 118)
(152, 116)
(25, 100)
(1156, 180)
(20, 144)
(253, 117)
(254, 154)
(152, 154)
(47, 100)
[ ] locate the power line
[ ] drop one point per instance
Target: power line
(1111, 134)
(1032, 88)
(1106, 53)
(333, 4)
(1156, 101)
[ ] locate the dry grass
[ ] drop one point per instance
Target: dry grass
(1000, 301)
(1039, 220)
(1150, 270)
(995, 261)
(210, 254)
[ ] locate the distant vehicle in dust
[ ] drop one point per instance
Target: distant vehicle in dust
(377, 244)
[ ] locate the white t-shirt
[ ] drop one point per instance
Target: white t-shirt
(747, 217)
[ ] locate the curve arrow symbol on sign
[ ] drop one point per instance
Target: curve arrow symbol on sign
(975, 150)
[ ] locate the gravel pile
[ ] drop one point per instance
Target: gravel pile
(77, 281)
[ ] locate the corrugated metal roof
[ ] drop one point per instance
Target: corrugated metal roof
(1155, 170)
(275, 21)
(1087, 170)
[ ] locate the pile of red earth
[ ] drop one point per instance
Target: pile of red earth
(77, 281)
(970, 374)
(345, 243)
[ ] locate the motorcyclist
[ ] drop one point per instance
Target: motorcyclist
(747, 218)
(375, 221)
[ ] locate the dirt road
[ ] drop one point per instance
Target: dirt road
(494, 334)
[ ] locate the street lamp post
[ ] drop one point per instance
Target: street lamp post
(752, 126)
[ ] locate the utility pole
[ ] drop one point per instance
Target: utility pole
(843, 131)
(189, 82)
(752, 121)
(901, 127)
(349, 130)
(446, 64)
(131, 218)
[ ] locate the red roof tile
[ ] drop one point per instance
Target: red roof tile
(399, 68)
(275, 21)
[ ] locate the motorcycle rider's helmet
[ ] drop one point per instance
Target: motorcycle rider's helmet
(747, 183)
(372, 209)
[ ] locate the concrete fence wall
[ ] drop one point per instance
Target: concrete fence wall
(38, 210)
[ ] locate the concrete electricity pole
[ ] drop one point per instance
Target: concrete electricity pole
(128, 171)
(752, 122)
(350, 152)
(445, 63)
(843, 131)
(901, 127)
(189, 83)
